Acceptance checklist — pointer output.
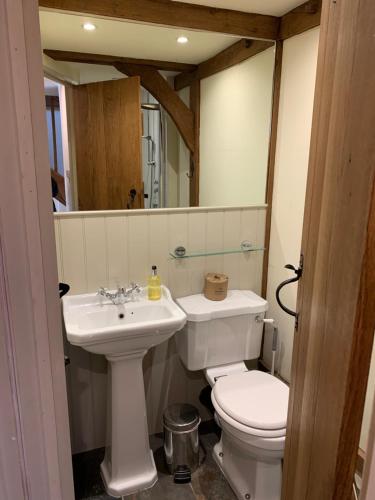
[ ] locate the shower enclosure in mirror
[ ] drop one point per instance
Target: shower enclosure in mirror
(154, 117)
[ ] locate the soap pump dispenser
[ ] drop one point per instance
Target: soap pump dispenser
(154, 285)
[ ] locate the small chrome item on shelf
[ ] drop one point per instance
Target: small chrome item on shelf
(180, 251)
(245, 246)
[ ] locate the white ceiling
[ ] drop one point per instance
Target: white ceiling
(89, 73)
(269, 7)
(61, 31)
(121, 38)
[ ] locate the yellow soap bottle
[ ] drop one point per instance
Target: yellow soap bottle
(154, 285)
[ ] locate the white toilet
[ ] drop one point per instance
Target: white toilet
(251, 406)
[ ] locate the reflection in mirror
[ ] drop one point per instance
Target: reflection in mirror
(137, 119)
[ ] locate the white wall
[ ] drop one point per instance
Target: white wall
(292, 154)
(172, 158)
(109, 248)
(234, 132)
(184, 161)
(65, 139)
(177, 161)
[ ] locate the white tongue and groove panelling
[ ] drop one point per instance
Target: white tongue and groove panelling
(113, 248)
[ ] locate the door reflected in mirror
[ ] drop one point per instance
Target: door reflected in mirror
(140, 120)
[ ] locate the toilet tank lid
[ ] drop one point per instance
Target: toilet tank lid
(237, 303)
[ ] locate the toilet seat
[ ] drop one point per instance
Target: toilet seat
(253, 402)
(245, 429)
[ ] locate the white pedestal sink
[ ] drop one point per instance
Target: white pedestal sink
(124, 333)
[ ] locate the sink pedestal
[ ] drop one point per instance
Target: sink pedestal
(128, 465)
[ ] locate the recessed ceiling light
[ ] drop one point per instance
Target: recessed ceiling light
(89, 26)
(182, 39)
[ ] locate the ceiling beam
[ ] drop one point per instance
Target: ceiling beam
(236, 53)
(168, 13)
(152, 81)
(83, 57)
(300, 19)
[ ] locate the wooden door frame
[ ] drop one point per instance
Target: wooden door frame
(336, 299)
(35, 456)
(34, 422)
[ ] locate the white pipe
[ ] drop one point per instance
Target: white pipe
(273, 363)
(270, 321)
(274, 348)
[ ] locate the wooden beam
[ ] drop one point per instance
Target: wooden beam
(168, 13)
(236, 53)
(300, 19)
(152, 80)
(87, 58)
(195, 104)
(271, 160)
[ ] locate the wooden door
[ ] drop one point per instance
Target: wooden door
(108, 130)
(336, 298)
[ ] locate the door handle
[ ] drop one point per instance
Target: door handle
(131, 198)
(63, 289)
(190, 174)
(298, 273)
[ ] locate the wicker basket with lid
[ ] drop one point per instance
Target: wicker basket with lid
(215, 286)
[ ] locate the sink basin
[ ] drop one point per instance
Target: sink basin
(97, 325)
(124, 333)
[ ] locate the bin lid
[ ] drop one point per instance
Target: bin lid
(181, 417)
(237, 302)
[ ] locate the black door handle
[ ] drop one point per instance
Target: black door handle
(131, 199)
(63, 289)
(287, 282)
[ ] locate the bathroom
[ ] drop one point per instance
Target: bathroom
(190, 136)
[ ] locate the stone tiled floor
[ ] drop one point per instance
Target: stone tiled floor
(207, 482)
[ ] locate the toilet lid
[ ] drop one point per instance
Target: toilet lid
(254, 398)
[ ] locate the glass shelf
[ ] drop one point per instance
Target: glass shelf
(190, 255)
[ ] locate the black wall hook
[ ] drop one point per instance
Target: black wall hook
(287, 282)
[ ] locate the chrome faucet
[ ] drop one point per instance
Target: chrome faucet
(122, 295)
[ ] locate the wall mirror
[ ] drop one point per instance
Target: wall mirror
(144, 116)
